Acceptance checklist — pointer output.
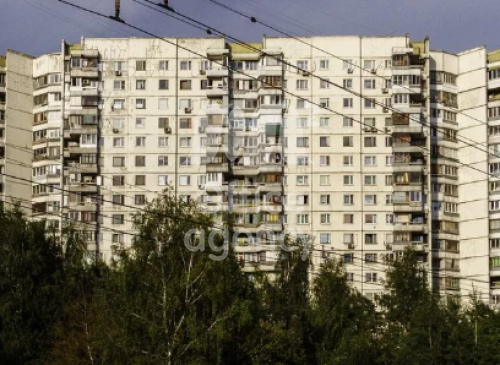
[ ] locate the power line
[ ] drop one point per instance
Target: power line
(322, 79)
(172, 43)
(255, 20)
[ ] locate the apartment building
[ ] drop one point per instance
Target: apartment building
(275, 133)
(16, 106)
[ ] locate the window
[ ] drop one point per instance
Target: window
(162, 103)
(163, 65)
(162, 122)
(118, 180)
(347, 141)
(185, 65)
(118, 123)
(185, 85)
(347, 122)
(325, 218)
(348, 238)
(324, 199)
(369, 64)
(118, 199)
(369, 84)
(140, 141)
(388, 160)
(348, 199)
(184, 161)
(162, 180)
(370, 218)
(370, 199)
(324, 180)
(140, 180)
(185, 123)
(302, 160)
(162, 141)
(302, 84)
(119, 142)
(348, 258)
(302, 122)
(162, 160)
(324, 122)
(162, 84)
(324, 141)
(324, 160)
(370, 142)
(303, 65)
(370, 160)
(347, 103)
(118, 238)
(370, 238)
(371, 277)
(347, 64)
(140, 122)
(348, 218)
(302, 180)
(324, 84)
(140, 103)
(88, 139)
(347, 83)
(388, 180)
(185, 141)
(302, 141)
(348, 180)
(118, 219)
(301, 103)
(324, 64)
(302, 218)
(140, 65)
(369, 103)
(325, 238)
(140, 84)
(140, 161)
(369, 122)
(324, 102)
(348, 160)
(389, 218)
(140, 199)
(184, 180)
(370, 180)
(118, 85)
(118, 161)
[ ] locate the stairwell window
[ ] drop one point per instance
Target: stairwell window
(140, 161)
(324, 141)
(185, 65)
(324, 84)
(324, 199)
(140, 84)
(325, 238)
(347, 103)
(347, 122)
(347, 141)
(162, 84)
(324, 64)
(163, 65)
(325, 218)
(369, 103)
(324, 122)
(302, 84)
(162, 161)
(347, 83)
(369, 84)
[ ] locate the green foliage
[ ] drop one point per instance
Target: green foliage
(163, 303)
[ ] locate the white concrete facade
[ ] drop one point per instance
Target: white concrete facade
(283, 149)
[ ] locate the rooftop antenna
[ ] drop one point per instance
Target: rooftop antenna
(117, 12)
(166, 6)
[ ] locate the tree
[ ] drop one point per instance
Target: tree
(30, 266)
(344, 322)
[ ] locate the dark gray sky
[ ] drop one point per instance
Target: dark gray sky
(37, 26)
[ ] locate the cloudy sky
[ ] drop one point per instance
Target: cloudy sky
(37, 26)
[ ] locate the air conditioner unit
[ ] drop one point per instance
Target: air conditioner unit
(385, 110)
(373, 71)
(188, 110)
(116, 130)
(248, 129)
(350, 246)
(201, 187)
(203, 72)
(374, 130)
(201, 129)
(388, 246)
(350, 70)
(118, 73)
(168, 130)
(384, 90)
(367, 129)
(305, 73)
(387, 129)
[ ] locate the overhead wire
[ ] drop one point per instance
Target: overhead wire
(165, 40)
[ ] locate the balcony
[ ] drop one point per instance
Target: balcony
(410, 227)
(217, 91)
(416, 246)
(217, 72)
(84, 187)
(76, 168)
(408, 147)
(408, 207)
